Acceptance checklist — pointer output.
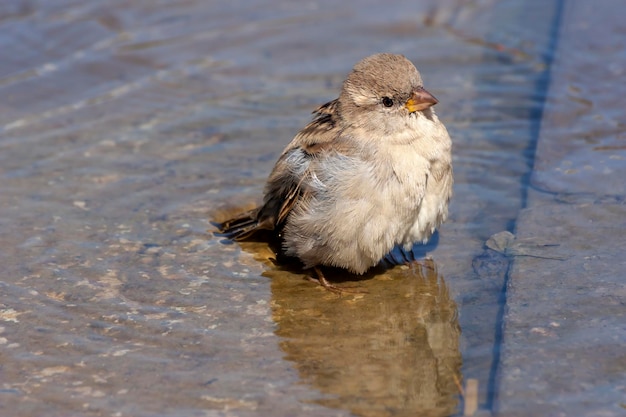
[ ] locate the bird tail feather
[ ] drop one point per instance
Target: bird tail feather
(239, 228)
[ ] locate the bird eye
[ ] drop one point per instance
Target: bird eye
(387, 102)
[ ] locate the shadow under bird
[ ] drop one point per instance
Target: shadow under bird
(373, 170)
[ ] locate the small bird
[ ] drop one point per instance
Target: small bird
(371, 171)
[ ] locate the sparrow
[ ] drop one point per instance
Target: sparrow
(371, 171)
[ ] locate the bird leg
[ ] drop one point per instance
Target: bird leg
(321, 279)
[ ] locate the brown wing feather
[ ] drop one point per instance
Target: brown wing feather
(284, 188)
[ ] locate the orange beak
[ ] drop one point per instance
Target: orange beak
(420, 100)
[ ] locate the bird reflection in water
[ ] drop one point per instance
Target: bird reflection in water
(391, 350)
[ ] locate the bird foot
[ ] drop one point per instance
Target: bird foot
(321, 279)
(426, 262)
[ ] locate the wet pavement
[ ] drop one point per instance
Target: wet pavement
(565, 325)
(126, 127)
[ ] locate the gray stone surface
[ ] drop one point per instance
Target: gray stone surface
(564, 328)
(582, 146)
(564, 336)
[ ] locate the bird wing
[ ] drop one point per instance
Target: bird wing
(286, 184)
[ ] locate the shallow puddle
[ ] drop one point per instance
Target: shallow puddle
(126, 129)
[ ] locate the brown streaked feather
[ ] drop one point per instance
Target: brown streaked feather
(290, 200)
(284, 190)
(240, 227)
(324, 128)
(327, 108)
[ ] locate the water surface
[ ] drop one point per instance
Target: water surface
(126, 127)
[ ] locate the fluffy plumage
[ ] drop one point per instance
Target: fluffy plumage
(371, 171)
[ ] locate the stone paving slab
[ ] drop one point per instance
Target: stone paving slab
(582, 144)
(565, 326)
(564, 333)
